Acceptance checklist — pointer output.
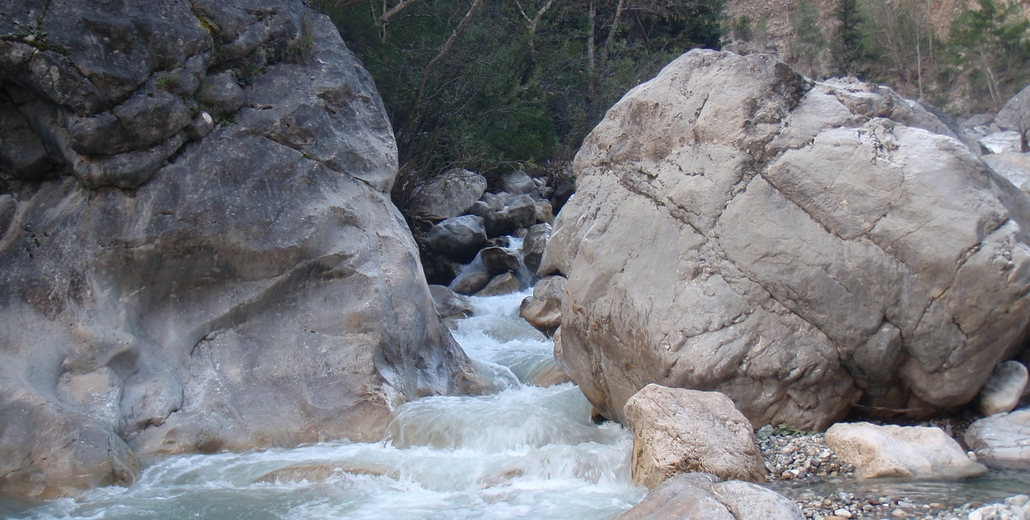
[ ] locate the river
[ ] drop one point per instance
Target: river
(522, 452)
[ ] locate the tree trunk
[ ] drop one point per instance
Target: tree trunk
(611, 32)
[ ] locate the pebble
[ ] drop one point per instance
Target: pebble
(799, 456)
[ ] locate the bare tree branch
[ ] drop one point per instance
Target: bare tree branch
(388, 15)
(405, 122)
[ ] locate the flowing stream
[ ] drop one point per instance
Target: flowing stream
(522, 452)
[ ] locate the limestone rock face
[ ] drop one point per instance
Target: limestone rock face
(799, 247)
(255, 287)
(1002, 440)
(700, 496)
(677, 430)
(1004, 389)
(900, 451)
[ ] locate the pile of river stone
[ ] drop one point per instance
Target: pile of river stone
(459, 218)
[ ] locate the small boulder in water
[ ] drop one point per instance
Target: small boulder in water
(450, 305)
(702, 496)
(458, 237)
(543, 309)
(498, 260)
(519, 212)
(505, 283)
(1004, 389)
(679, 430)
(900, 451)
(470, 283)
(534, 244)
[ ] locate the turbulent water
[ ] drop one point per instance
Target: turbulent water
(522, 452)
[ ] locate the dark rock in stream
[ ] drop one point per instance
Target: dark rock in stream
(253, 287)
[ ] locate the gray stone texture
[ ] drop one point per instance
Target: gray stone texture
(676, 430)
(900, 451)
(1004, 389)
(1002, 440)
(449, 195)
(458, 237)
(701, 496)
(252, 288)
(799, 247)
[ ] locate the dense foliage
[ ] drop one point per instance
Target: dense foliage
(483, 84)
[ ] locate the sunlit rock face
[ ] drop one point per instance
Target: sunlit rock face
(198, 247)
(800, 247)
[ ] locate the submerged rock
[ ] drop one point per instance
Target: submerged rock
(255, 287)
(700, 496)
(677, 430)
(797, 246)
(900, 451)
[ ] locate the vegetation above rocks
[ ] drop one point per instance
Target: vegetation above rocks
(483, 85)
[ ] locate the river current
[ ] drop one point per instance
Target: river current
(522, 452)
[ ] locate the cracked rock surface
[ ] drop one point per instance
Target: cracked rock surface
(169, 291)
(800, 247)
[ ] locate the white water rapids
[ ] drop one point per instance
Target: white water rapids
(524, 452)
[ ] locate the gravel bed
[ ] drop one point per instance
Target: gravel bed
(803, 468)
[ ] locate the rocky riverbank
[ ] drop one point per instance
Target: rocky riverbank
(805, 469)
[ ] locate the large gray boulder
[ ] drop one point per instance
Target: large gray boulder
(799, 247)
(253, 288)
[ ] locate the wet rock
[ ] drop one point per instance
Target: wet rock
(505, 283)
(543, 309)
(517, 213)
(458, 237)
(449, 305)
(700, 496)
(499, 260)
(676, 430)
(1002, 440)
(221, 95)
(900, 451)
(534, 244)
(448, 195)
(728, 264)
(547, 374)
(1004, 389)
(469, 283)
